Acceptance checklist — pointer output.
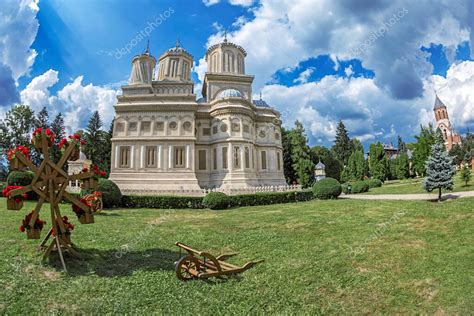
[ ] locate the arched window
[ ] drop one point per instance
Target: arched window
(229, 60)
(240, 64)
(214, 62)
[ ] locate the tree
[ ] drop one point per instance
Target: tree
(465, 174)
(355, 168)
(289, 172)
(300, 155)
(378, 163)
(42, 119)
(439, 170)
(59, 130)
(332, 165)
(107, 152)
(342, 145)
(16, 129)
(403, 166)
(357, 145)
(422, 148)
(402, 146)
(94, 147)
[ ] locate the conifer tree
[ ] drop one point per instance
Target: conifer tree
(378, 163)
(59, 130)
(422, 148)
(288, 170)
(42, 119)
(465, 174)
(342, 145)
(94, 138)
(402, 146)
(439, 170)
(300, 155)
(355, 168)
(403, 166)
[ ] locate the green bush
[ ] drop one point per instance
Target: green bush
(20, 178)
(2, 186)
(359, 187)
(216, 201)
(111, 195)
(269, 198)
(345, 188)
(162, 202)
(327, 188)
(374, 183)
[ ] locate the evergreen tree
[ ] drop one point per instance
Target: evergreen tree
(94, 138)
(465, 174)
(332, 165)
(403, 166)
(59, 130)
(402, 146)
(378, 163)
(42, 119)
(439, 170)
(355, 168)
(357, 145)
(288, 170)
(422, 148)
(342, 145)
(300, 154)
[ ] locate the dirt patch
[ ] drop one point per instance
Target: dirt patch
(426, 289)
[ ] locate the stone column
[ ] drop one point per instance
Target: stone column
(230, 158)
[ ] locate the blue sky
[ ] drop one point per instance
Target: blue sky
(316, 61)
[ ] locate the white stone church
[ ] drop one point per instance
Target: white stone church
(167, 141)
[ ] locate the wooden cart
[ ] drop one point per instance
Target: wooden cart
(203, 265)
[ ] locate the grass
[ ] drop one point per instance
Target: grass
(414, 186)
(411, 257)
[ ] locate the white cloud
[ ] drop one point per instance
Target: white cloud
(348, 71)
(244, 3)
(369, 112)
(286, 32)
(208, 3)
(304, 75)
(18, 28)
(75, 100)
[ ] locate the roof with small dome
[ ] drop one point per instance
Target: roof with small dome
(226, 43)
(177, 49)
(261, 103)
(229, 93)
(320, 165)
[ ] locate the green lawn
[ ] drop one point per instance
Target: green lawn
(410, 186)
(411, 257)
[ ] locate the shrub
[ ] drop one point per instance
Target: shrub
(216, 201)
(359, 187)
(374, 183)
(345, 188)
(162, 202)
(3, 185)
(111, 195)
(269, 198)
(22, 178)
(327, 188)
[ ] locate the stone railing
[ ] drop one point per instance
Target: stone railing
(226, 190)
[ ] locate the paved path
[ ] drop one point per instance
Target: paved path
(423, 196)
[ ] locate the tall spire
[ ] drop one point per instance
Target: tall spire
(438, 103)
(147, 51)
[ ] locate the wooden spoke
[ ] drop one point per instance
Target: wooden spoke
(36, 211)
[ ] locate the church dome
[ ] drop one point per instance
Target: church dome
(229, 93)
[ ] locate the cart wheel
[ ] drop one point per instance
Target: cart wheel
(183, 265)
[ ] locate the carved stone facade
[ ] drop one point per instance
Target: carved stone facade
(165, 140)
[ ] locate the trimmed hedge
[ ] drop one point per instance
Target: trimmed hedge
(327, 188)
(216, 201)
(162, 202)
(181, 202)
(269, 198)
(356, 187)
(374, 183)
(20, 178)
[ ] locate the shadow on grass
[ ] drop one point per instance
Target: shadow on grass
(115, 263)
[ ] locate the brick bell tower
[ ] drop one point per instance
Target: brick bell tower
(450, 137)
